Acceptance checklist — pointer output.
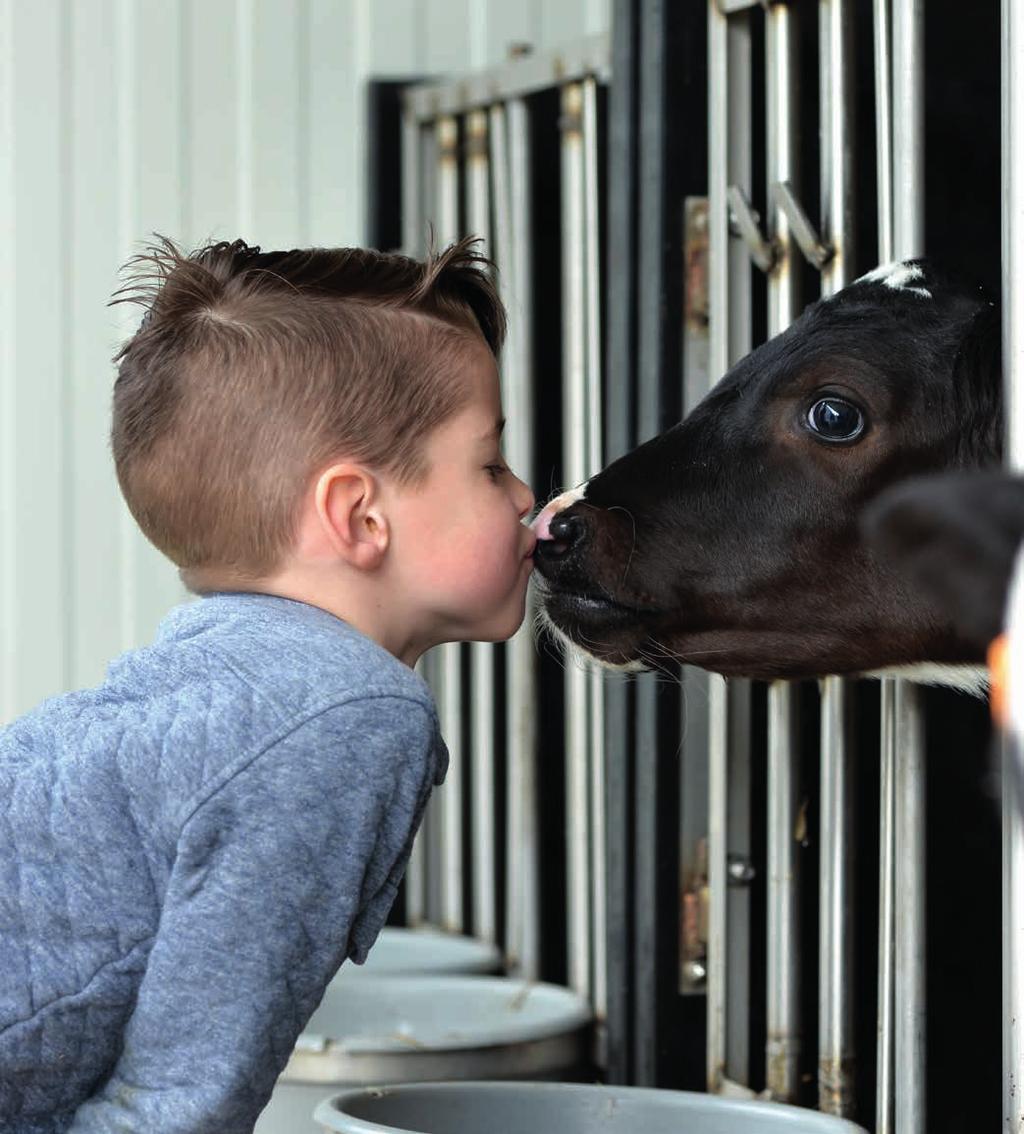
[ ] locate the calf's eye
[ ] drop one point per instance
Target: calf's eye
(833, 419)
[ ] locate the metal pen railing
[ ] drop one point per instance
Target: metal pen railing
(1013, 363)
(492, 177)
(898, 56)
(469, 148)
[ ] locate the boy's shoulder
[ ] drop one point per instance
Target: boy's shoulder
(289, 654)
(227, 679)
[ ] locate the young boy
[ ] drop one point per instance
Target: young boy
(189, 851)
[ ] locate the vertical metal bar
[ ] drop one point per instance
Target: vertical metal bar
(523, 665)
(908, 128)
(510, 157)
(783, 1045)
(718, 714)
(909, 811)
(783, 1016)
(729, 308)
(430, 664)
(885, 1087)
(741, 172)
(412, 205)
(836, 935)
(481, 654)
(883, 127)
(910, 930)
(595, 460)
(513, 397)
(449, 670)
(623, 113)
(1013, 362)
(412, 238)
(740, 941)
(574, 458)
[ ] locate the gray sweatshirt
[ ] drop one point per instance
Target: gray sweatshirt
(188, 852)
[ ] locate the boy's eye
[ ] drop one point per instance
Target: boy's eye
(497, 471)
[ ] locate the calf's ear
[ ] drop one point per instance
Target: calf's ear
(956, 537)
(978, 389)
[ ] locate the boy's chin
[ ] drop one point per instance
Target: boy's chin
(502, 628)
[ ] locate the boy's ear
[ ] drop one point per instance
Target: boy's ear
(347, 506)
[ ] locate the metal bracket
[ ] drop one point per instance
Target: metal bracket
(816, 251)
(764, 253)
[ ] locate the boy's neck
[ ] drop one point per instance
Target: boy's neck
(358, 602)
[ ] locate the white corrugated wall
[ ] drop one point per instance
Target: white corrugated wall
(195, 118)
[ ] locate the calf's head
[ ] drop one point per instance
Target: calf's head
(733, 542)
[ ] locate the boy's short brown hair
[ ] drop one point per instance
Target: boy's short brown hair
(252, 370)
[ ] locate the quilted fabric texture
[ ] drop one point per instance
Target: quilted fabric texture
(187, 854)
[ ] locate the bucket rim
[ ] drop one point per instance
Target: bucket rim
(817, 1122)
(574, 1013)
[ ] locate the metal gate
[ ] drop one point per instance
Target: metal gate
(691, 854)
(512, 156)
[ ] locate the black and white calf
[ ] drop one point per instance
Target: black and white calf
(733, 541)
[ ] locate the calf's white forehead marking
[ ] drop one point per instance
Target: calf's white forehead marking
(542, 524)
(563, 500)
(898, 275)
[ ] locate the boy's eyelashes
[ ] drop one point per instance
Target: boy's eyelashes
(497, 470)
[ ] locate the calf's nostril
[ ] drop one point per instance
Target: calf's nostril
(566, 529)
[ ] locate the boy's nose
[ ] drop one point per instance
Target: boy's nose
(526, 499)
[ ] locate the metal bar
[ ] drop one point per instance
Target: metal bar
(526, 75)
(623, 101)
(783, 1045)
(481, 654)
(910, 955)
(738, 696)
(729, 313)
(909, 920)
(762, 251)
(816, 251)
(510, 155)
(515, 399)
(449, 670)
(885, 1087)
(656, 178)
(836, 972)
(412, 236)
(740, 172)
(574, 458)
(523, 662)
(718, 713)
(1013, 362)
(883, 127)
(430, 836)
(595, 455)
(836, 990)
(908, 128)
(412, 178)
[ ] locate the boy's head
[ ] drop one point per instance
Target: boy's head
(252, 371)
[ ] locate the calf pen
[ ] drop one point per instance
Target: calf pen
(755, 885)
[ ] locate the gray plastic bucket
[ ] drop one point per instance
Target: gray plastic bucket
(417, 1029)
(423, 951)
(529, 1108)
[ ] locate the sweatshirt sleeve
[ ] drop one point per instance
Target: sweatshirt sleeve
(286, 868)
